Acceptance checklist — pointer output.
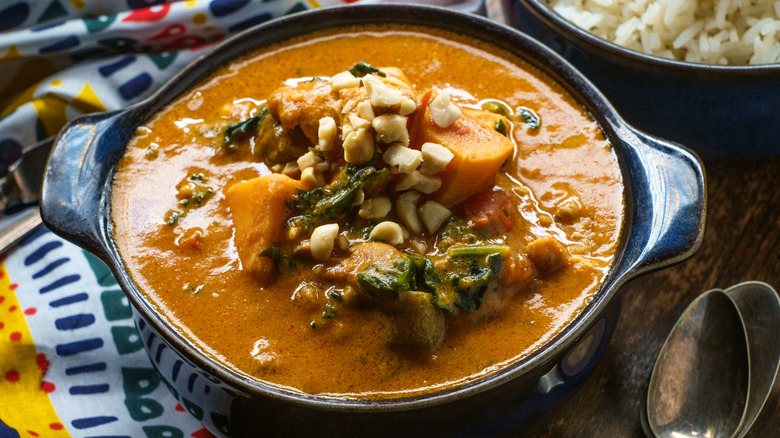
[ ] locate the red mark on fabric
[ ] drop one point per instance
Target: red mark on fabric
(2, 298)
(30, 311)
(42, 362)
(12, 376)
(13, 286)
(12, 308)
(170, 31)
(1, 325)
(179, 407)
(152, 13)
(15, 336)
(47, 386)
(202, 433)
(32, 433)
(55, 426)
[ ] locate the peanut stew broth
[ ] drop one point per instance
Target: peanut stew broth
(370, 229)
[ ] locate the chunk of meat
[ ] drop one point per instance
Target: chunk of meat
(479, 152)
(259, 209)
(548, 254)
(517, 269)
(304, 105)
(490, 211)
(414, 321)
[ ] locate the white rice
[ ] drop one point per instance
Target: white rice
(725, 32)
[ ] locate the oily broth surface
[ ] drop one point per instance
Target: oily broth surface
(262, 332)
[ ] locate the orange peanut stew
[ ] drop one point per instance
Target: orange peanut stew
(372, 213)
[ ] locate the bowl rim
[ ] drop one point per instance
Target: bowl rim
(281, 29)
(591, 42)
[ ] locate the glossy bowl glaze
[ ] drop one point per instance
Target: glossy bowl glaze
(664, 220)
(718, 111)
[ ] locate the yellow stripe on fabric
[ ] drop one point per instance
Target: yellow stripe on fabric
(87, 101)
(24, 400)
(78, 4)
(52, 112)
(314, 3)
(12, 53)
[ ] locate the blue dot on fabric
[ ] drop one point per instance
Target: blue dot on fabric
(138, 4)
(14, 15)
(220, 8)
(64, 44)
(134, 87)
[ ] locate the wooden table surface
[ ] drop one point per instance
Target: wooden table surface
(741, 242)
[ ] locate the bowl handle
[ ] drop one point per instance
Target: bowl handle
(668, 199)
(74, 192)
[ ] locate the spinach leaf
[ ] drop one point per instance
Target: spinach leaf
(500, 126)
(495, 107)
(237, 130)
(363, 68)
(530, 117)
(283, 262)
(471, 276)
(477, 250)
(384, 281)
(316, 207)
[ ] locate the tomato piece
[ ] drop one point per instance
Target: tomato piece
(490, 211)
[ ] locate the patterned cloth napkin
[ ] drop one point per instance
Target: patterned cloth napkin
(71, 360)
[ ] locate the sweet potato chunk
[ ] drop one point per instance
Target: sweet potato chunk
(479, 151)
(259, 209)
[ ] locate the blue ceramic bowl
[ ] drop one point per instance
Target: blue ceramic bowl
(718, 111)
(664, 219)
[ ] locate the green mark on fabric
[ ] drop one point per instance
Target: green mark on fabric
(139, 381)
(221, 422)
(99, 23)
(136, 383)
(162, 432)
(163, 60)
(194, 410)
(102, 273)
(142, 409)
(115, 305)
(298, 7)
(55, 10)
(118, 43)
(126, 339)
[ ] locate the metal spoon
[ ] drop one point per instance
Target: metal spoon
(21, 175)
(717, 366)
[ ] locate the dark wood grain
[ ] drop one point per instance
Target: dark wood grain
(742, 242)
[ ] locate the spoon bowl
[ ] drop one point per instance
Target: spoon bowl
(718, 365)
(700, 382)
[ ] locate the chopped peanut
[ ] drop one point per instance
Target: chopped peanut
(444, 112)
(388, 232)
(322, 239)
(422, 183)
(435, 158)
(403, 158)
(374, 208)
